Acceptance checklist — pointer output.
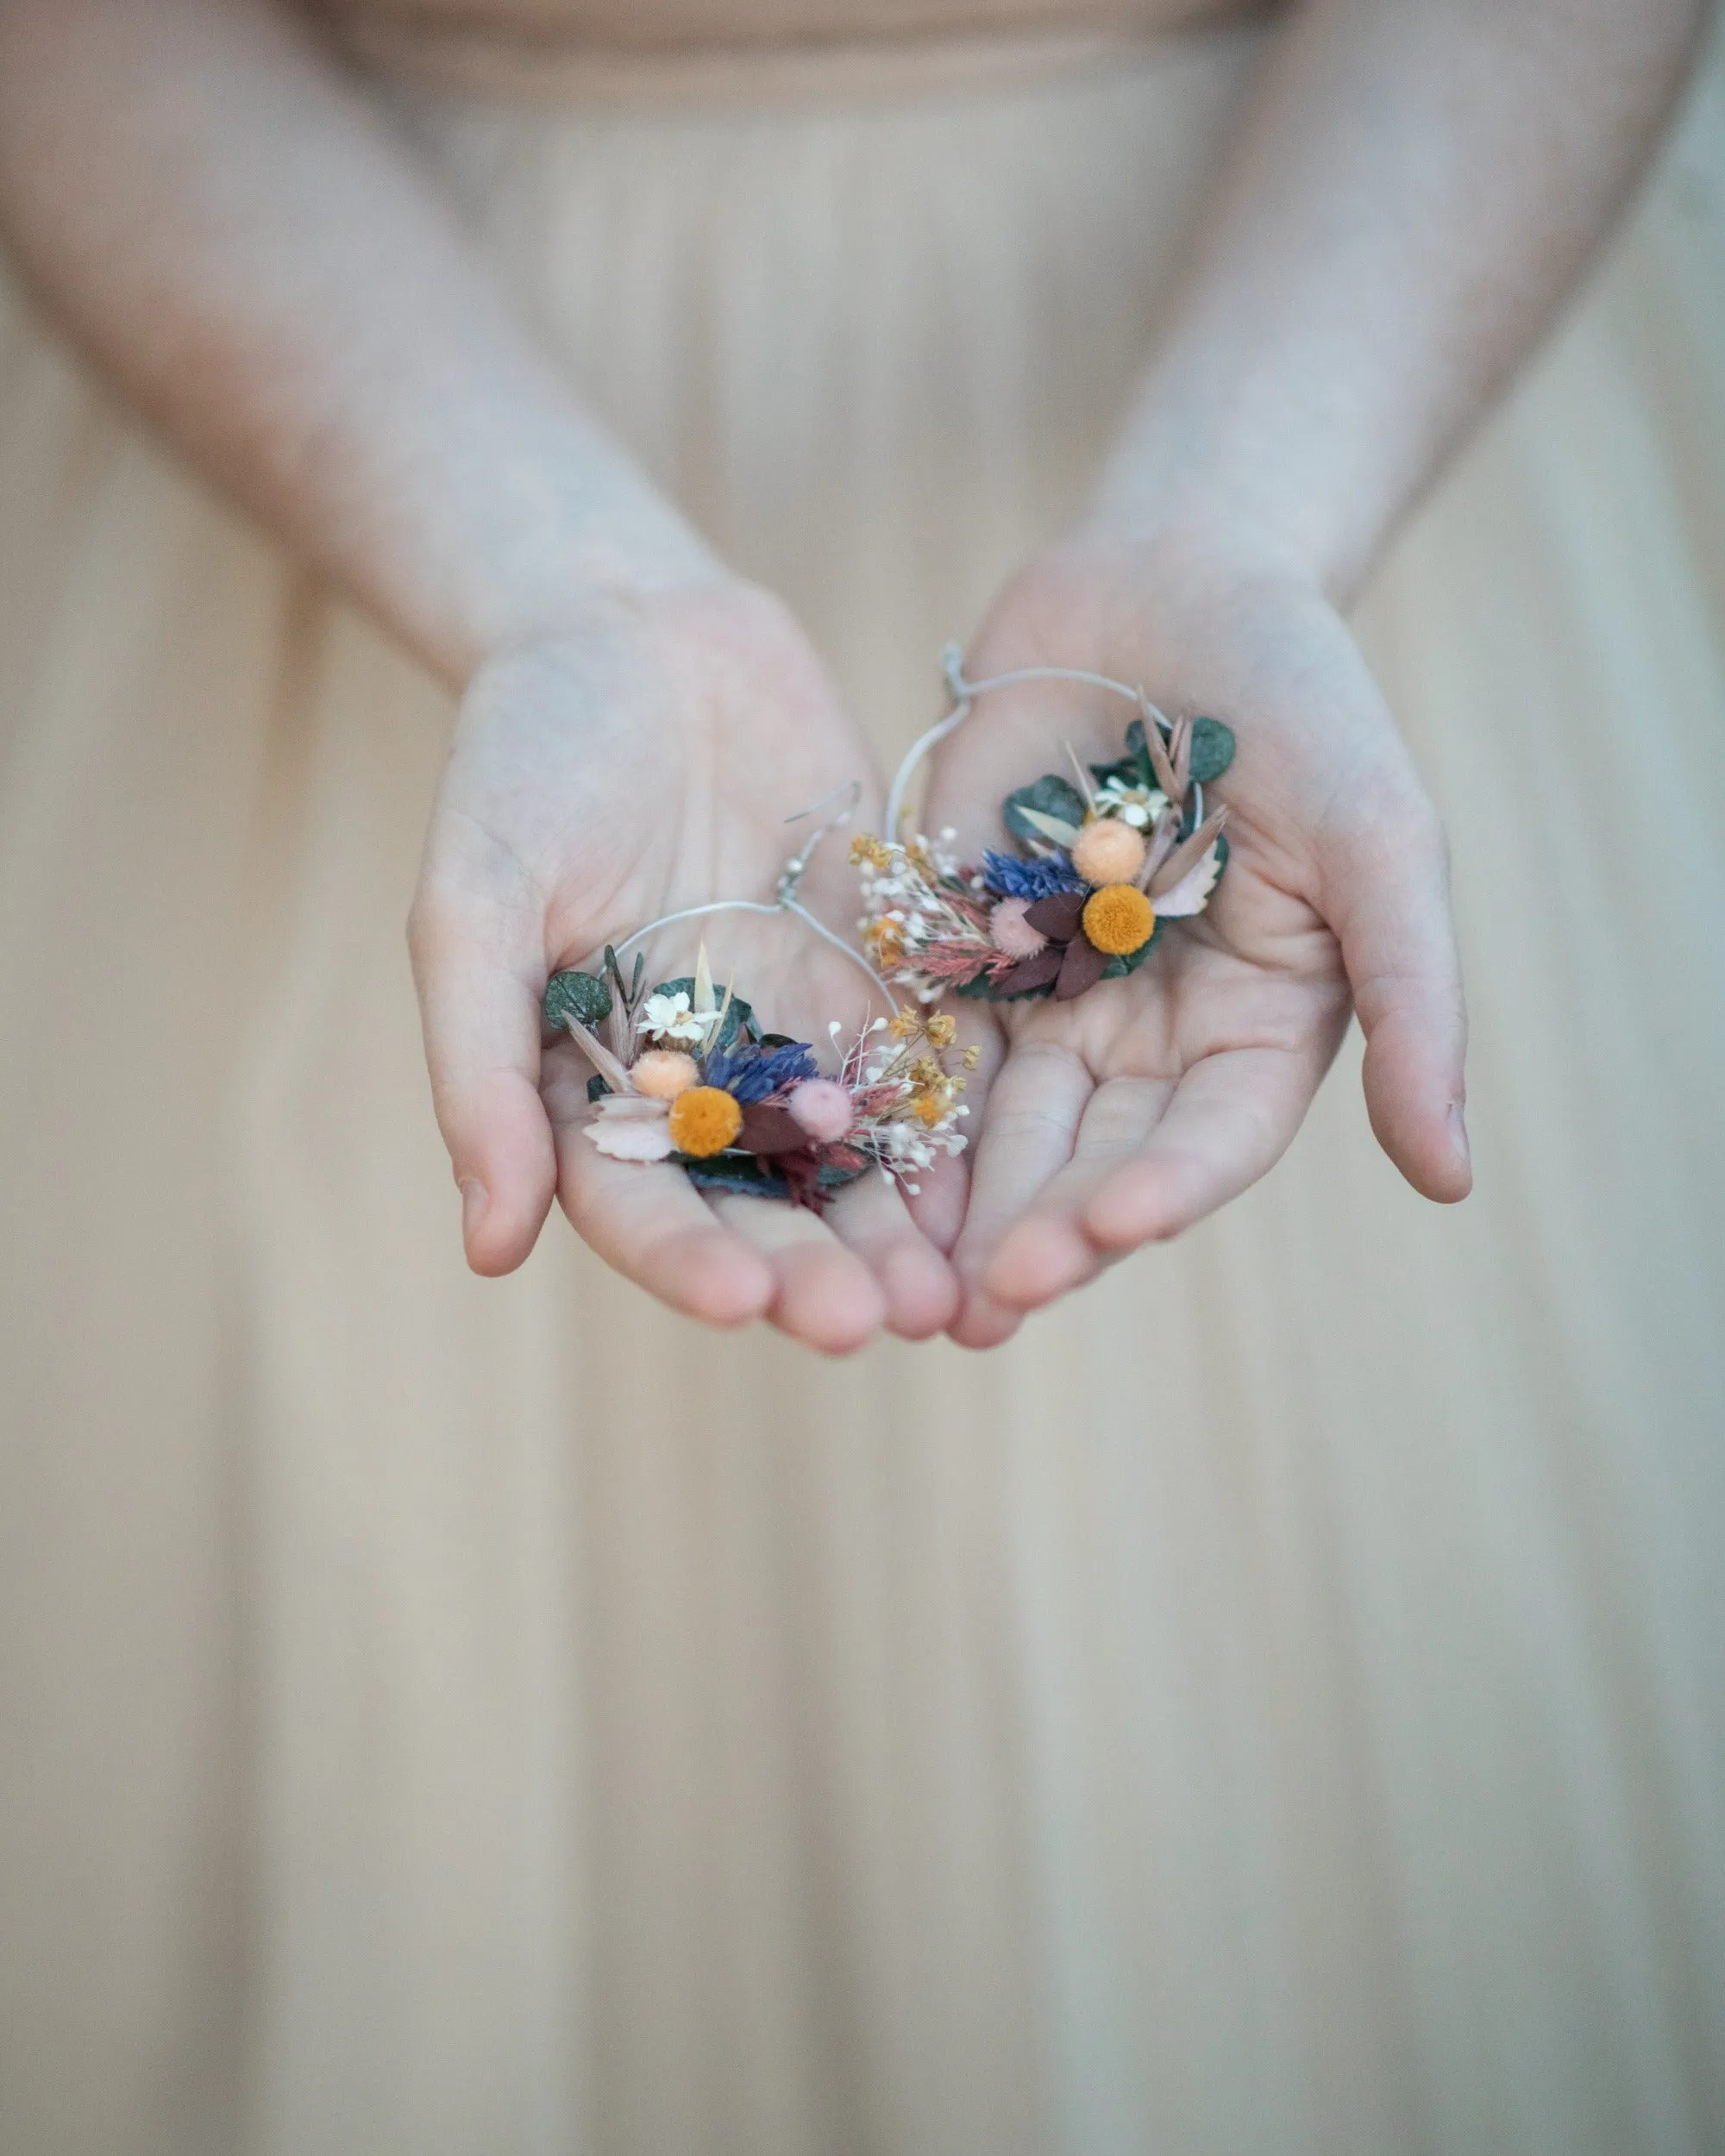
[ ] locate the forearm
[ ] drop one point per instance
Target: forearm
(1416, 188)
(239, 241)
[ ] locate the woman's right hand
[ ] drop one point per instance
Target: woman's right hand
(644, 758)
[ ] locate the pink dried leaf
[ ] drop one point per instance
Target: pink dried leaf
(957, 962)
(1163, 838)
(1192, 893)
(1187, 855)
(607, 1065)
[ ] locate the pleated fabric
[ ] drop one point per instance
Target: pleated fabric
(1274, 1703)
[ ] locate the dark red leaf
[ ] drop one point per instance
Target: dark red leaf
(1056, 918)
(1081, 968)
(768, 1130)
(1029, 973)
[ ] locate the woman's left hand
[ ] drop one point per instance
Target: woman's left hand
(1126, 1115)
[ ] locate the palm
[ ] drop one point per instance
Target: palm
(643, 766)
(1129, 1113)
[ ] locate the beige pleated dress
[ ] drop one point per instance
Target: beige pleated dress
(1274, 1707)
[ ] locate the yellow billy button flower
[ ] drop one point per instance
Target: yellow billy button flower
(1119, 919)
(704, 1120)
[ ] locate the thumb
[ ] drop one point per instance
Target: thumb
(1386, 895)
(479, 1003)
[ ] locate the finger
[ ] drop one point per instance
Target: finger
(1231, 1117)
(823, 1294)
(474, 965)
(1386, 893)
(650, 1222)
(1047, 1252)
(871, 1218)
(1029, 1127)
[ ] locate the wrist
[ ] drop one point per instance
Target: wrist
(547, 594)
(1251, 478)
(1184, 562)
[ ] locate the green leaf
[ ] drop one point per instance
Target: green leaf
(738, 1172)
(1212, 749)
(738, 1019)
(1051, 795)
(1118, 968)
(582, 996)
(1135, 768)
(597, 1088)
(1137, 749)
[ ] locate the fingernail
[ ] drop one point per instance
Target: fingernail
(475, 1204)
(1458, 1132)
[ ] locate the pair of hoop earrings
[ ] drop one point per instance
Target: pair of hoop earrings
(685, 1071)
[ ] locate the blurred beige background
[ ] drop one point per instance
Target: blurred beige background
(1273, 1705)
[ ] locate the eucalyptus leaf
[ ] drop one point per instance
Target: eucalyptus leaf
(1119, 966)
(1212, 749)
(982, 989)
(1135, 768)
(736, 1173)
(1138, 750)
(571, 994)
(1049, 795)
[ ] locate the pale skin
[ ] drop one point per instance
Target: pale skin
(236, 237)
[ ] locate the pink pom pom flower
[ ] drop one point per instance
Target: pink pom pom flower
(823, 1109)
(1012, 933)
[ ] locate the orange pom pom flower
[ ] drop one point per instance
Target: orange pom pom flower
(704, 1121)
(1119, 919)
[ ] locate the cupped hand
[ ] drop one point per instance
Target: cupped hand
(642, 760)
(1127, 1114)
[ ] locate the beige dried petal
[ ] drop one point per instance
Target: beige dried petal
(1186, 857)
(1180, 756)
(1084, 784)
(1192, 893)
(600, 1058)
(637, 1107)
(1158, 753)
(1054, 827)
(1163, 838)
(632, 1139)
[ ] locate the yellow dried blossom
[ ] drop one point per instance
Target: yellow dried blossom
(907, 1024)
(887, 946)
(972, 1056)
(942, 1029)
(869, 852)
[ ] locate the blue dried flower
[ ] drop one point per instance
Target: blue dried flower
(1008, 877)
(750, 1072)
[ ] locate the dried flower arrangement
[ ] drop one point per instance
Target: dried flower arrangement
(1099, 866)
(685, 1075)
